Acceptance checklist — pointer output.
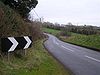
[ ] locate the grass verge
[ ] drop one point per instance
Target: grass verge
(92, 41)
(36, 62)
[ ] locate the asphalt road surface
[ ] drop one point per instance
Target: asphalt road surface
(81, 61)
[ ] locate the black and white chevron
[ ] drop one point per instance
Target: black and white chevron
(13, 43)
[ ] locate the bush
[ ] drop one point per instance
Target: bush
(65, 33)
(11, 24)
(35, 30)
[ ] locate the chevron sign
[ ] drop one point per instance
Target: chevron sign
(13, 43)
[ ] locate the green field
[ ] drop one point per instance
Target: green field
(80, 39)
(51, 31)
(36, 62)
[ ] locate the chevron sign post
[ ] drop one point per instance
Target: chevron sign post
(13, 43)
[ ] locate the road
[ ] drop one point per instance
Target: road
(81, 61)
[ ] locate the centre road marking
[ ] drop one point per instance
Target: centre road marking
(67, 48)
(92, 58)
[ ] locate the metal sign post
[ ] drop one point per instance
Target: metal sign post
(8, 57)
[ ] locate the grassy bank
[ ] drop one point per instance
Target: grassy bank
(92, 41)
(36, 62)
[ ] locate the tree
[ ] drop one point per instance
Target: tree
(69, 23)
(23, 7)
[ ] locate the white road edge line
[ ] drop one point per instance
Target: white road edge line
(56, 42)
(92, 58)
(67, 48)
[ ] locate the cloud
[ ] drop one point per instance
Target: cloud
(76, 11)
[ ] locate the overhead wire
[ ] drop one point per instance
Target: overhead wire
(36, 13)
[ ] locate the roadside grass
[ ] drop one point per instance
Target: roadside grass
(92, 41)
(37, 61)
(51, 31)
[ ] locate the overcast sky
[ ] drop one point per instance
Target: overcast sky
(74, 11)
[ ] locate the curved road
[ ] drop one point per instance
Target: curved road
(80, 60)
